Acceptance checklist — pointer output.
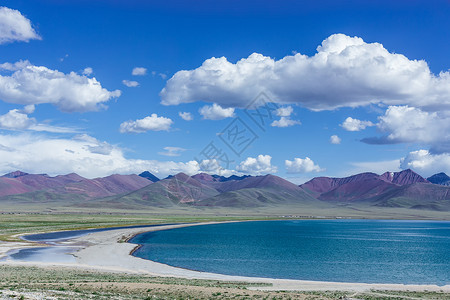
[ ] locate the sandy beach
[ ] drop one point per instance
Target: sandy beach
(108, 251)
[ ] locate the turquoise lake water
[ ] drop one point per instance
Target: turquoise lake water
(370, 251)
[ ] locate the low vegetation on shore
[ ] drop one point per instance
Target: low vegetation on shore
(14, 224)
(19, 282)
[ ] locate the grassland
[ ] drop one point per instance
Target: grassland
(13, 224)
(66, 283)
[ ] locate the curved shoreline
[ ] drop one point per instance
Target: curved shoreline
(108, 251)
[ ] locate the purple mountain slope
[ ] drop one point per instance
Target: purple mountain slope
(15, 174)
(19, 182)
(10, 186)
(390, 187)
(321, 185)
(403, 178)
(404, 189)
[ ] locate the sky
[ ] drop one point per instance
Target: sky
(298, 89)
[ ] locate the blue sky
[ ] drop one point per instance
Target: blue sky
(56, 118)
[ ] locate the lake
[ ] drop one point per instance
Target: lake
(368, 251)
(57, 252)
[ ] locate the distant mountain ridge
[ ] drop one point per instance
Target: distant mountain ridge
(19, 182)
(391, 189)
(440, 178)
(149, 176)
(405, 189)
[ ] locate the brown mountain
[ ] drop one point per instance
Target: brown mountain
(18, 182)
(391, 189)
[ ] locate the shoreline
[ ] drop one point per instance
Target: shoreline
(110, 251)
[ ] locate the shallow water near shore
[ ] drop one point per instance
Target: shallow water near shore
(58, 236)
(57, 252)
(366, 251)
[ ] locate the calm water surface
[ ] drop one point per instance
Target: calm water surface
(371, 251)
(57, 252)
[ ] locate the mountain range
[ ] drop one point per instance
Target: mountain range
(405, 189)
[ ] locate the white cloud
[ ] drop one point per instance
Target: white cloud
(378, 167)
(334, 139)
(345, 72)
(28, 109)
(409, 124)
(302, 165)
(260, 165)
(88, 71)
(187, 116)
(64, 57)
(52, 128)
(213, 167)
(85, 155)
(94, 146)
(18, 120)
(284, 111)
(172, 151)
(152, 122)
(139, 71)
(426, 163)
(216, 112)
(71, 92)
(130, 83)
(14, 66)
(351, 124)
(14, 27)
(284, 122)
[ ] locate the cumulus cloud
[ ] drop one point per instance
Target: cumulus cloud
(284, 122)
(345, 72)
(260, 165)
(334, 139)
(130, 83)
(28, 109)
(83, 154)
(213, 167)
(88, 71)
(187, 116)
(302, 165)
(14, 27)
(284, 111)
(216, 112)
(426, 163)
(152, 122)
(406, 124)
(139, 71)
(18, 120)
(351, 124)
(29, 84)
(172, 151)
(7, 66)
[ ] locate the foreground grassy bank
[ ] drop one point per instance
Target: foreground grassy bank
(66, 283)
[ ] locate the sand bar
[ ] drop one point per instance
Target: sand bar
(107, 251)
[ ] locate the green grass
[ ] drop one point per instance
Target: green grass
(69, 283)
(14, 224)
